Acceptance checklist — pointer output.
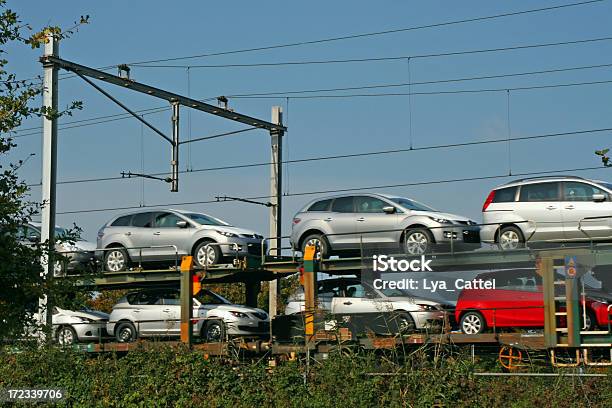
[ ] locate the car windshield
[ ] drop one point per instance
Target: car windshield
(410, 204)
(204, 219)
(606, 185)
(60, 232)
(206, 297)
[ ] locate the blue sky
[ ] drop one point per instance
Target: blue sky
(123, 32)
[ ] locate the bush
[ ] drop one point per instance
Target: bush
(179, 377)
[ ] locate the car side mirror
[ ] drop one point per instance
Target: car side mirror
(599, 198)
(389, 209)
(33, 238)
(181, 224)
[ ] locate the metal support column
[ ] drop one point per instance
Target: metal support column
(546, 270)
(49, 168)
(175, 146)
(573, 311)
(276, 184)
(252, 290)
(309, 280)
(186, 299)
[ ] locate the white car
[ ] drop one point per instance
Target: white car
(551, 209)
(157, 312)
(345, 296)
(70, 327)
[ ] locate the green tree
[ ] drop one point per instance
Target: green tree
(21, 280)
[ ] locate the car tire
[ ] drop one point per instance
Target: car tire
(205, 256)
(116, 259)
(125, 332)
(405, 323)
(418, 241)
(66, 336)
(510, 237)
(213, 331)
(472, 323)
(591, 321)
(319, 241)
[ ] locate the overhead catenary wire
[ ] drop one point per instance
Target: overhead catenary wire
(355, 155)
(372, 34)
(385, 59)
(342, 190)
(122, 116)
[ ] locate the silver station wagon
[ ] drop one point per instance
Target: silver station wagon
(164, 235)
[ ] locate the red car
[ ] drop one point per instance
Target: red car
(517, 301)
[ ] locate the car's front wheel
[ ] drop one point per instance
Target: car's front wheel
(116, 259)
(66, 336)
(206, 254)
(213, 331)
(319, 242)
(126, 332)
(472, 323)
(510, 238)
(405, 323)
(418, 241)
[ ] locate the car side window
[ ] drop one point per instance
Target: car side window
(355, 291)
(166, 220)
(142, 220)
(149, 298)
(322, 205)
(575, 191)
(505, 195)
(540, 192)
(171, 298)
(364, 204)
(122, 221)
(343, 205)
(329, 291)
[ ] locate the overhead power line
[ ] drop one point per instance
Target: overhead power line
(373, 34)
(459, 91)
(342, 190)
(122, 116)
(360, 154)
(383, 59)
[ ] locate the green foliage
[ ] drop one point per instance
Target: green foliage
(21, 281)
(182, 378)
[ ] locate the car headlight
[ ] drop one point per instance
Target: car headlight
(428, 308)
(84, 319)
(226, 234)
(238, 314)
(440, 220)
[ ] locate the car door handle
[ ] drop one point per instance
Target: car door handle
(328, 219)
(127, 234)
(167, 310)
(157, 233)
(136, 310)
(348, 303)
(551, 207)
(570, 207)
(361, 219)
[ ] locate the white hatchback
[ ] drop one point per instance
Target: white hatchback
(549, 209)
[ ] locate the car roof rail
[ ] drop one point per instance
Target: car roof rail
(545, 177)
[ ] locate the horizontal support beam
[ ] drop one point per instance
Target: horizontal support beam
(159, 93)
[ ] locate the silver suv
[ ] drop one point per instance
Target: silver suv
(557, 209)
(346, 222)
(162, 235)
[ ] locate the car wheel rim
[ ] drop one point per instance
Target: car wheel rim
(417, 243)
(587, 322)
(57, 268)
(125, 335)
(66, 337)
(405, 324)
(471, 324)
(509, 240)
(206, 255)
(115, 261)
(317, 244)
(213, 332)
